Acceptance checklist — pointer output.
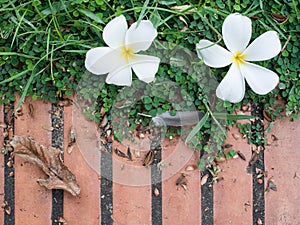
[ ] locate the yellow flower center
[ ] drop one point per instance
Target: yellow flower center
(127, 53)
(238, 58)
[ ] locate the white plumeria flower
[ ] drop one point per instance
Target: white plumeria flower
(236, 31)
(118, 59)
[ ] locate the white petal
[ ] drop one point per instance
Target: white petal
(140, 37)
(121, 76)
(114, 32)
(266, 46)
(260, 79)
(236, 31)
(214, 55)
(102, 60)
(232, 87)
(145, 67)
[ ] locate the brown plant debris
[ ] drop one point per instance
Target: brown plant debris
(182, 181)
(148, 160)
(72, 140)
(241, 155)
(50, 161)
(271, 185)
(204, 179)
(120, 153)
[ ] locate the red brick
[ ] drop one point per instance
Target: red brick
(180, 205)
(84, 209)
(233, 195)
(32, 202)
(131, 188)
(282, 159)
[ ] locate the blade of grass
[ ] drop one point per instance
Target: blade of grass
(198, 127)
(90, 15)
(17, 29)
(14, 76)
(17, 54)
(142, 14)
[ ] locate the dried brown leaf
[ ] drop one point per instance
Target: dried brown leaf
(120, 153)
(253, 159)
(241, 155)
(48, 128)
(274, 138)
(50, 161)
(148, 158)
(129, 155)
(280, 18)
(31, 110)
(204, 179)
(227, 145)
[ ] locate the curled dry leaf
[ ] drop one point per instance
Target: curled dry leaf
(50, 161)
(120, 153)
(149, 158)
(204, 179)
(280, 18)
(241, 155)
(129, 154)
(31, 110)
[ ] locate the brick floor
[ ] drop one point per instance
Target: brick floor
(132, 205)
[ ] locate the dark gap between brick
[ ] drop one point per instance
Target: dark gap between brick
(207, 200)
(9, 181)
(258, 189)
(57, 142)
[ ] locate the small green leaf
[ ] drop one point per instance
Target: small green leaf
(230, 154)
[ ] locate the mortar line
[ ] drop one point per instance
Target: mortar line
(57, 142)
(207, 200)
(156, 176)
(156, 183)
(106, 185)
(9, 181)
(258, 191)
